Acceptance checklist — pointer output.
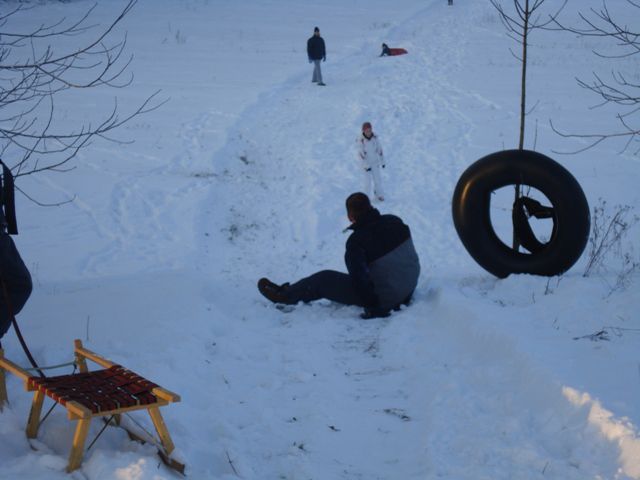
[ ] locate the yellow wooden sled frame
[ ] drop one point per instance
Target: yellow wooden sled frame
(80, 413)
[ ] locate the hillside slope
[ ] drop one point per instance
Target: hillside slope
(244, 174)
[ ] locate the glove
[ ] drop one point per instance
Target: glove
(383, 166)
(367, 169)
(370, 313)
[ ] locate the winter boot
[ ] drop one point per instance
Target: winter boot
(273, 292)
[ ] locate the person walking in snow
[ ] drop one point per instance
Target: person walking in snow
(371, 160)
(382, 264)
(316, 52)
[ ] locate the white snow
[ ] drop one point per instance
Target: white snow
(243, 173)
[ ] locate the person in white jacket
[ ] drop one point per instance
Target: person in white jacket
(371, 160)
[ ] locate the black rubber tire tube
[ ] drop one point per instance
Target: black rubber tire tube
(471, 213)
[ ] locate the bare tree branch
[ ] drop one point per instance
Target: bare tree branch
(618, 90)
(596, 138)
(34, 70)
(519, 24)
(42, 204)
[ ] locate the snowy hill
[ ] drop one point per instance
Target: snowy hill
(243, 173)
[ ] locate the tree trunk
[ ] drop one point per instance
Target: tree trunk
(523, 89)
(523, 96)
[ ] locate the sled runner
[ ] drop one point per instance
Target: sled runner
(143, 437)
(105, 393)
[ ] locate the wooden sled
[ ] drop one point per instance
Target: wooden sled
(108, 392)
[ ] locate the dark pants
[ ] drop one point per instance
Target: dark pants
(329, 284)
(317, 72)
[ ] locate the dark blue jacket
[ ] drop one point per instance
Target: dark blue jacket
(315, 48)
(382, 260)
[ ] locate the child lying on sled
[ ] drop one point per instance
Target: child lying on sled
(392, 51)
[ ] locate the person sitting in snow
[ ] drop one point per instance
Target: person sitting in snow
(371, 160)
(392, 51)
(382, 264)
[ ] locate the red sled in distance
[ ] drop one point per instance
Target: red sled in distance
(392, 52)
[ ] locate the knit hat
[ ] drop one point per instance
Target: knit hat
(366, 125)
(316, 29)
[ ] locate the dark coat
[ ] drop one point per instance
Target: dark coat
(382, 261)
(315, 48)
(15, 282)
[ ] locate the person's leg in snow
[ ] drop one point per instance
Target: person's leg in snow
(367, 182)
(317, 73)
(376, 175)
(328, 284)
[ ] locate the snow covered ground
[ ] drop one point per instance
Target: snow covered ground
(243, 173)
